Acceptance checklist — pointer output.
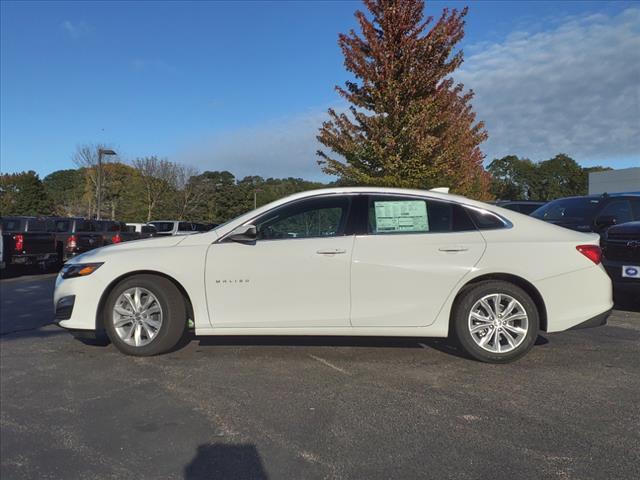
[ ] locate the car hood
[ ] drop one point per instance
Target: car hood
(144, 243)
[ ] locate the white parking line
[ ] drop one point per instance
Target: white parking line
(423, 345)
(328, 364)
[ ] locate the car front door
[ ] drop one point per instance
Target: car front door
(414, 253)
(295, 274)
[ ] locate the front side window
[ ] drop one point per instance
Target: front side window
(185, 227)
(390, 214)
(312, 218)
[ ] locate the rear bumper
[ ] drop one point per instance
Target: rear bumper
(596, 321)
(32, 259)
(574, 298)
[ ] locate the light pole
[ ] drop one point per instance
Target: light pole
(255, 197)
(101, 152)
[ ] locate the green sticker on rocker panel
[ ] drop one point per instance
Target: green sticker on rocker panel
(401, 216)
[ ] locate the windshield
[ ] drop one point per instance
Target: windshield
(163, 226)
(570, 210)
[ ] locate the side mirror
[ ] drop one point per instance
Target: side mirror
(605, 221)
(244, 233)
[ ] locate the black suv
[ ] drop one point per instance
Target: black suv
(591, 213)
(621, 257)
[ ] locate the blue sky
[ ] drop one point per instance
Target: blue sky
(244, 86)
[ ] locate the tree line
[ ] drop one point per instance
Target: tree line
(148, 188)
(151, 188)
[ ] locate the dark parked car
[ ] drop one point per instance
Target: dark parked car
(621, 257)
(525, 207)
(592, 213)
(75, 236)
(28, 241)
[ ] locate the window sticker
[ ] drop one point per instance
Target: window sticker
(401, 216)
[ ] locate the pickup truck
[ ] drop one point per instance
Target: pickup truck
(115, 232)
(28, 241)
(75, 236)
(144, 230)
(175, 227)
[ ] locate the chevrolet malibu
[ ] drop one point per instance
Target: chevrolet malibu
(346, 261)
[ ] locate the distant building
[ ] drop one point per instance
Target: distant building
(615, 181)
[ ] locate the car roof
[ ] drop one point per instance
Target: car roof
(602, 195)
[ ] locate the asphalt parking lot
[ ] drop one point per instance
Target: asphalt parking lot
(271, 408)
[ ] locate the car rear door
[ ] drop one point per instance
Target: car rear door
(413, 254)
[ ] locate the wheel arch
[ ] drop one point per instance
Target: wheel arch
(112, 285)
(516, 280)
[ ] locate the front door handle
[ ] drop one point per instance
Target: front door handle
(453, 249)
(331, 251)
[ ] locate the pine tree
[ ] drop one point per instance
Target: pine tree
(410, 124)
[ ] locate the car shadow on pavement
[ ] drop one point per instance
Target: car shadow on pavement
(219, 461)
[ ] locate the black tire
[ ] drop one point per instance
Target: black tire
(174, 315)
(460, 320)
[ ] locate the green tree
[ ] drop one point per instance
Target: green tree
(516, 178)
(23, 194)
(409, 124)
(66, 189)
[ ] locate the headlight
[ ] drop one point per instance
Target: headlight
(79, 269)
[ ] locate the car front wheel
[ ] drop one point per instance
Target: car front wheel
(495, 321)
(145, 315)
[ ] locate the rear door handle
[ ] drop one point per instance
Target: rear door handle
(453, 249)
(331, 251)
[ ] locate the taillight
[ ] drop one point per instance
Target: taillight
(19, 242)
(592, 252)
(116, 238)
(72, 242)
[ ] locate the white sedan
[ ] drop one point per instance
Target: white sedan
(346, 261)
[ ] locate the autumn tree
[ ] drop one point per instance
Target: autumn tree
(86, 157)
(158, 175)
(409, 123)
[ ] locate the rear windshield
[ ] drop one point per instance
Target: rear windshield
(163, 226)
(108, 226)
(36, 225)
(578, 210)
(84, 226)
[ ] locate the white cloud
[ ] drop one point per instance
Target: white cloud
(75, 29)
(284, 147)
(573, 89)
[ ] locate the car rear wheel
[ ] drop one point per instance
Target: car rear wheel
(145, 315)
(495, 321)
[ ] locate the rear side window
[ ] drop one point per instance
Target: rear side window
(619, 209)
(185, 227)
(12, 225)
(395, 215)
(485, 220)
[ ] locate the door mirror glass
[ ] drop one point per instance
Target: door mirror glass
(605, 221)
(244, 233)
